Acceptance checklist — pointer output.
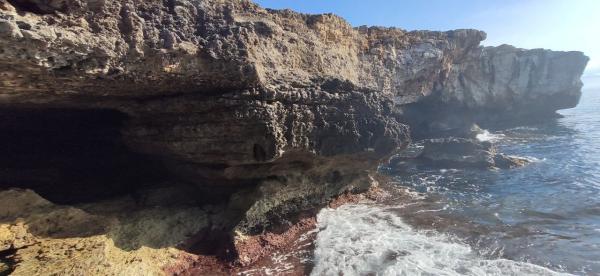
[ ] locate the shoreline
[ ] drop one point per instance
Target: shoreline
(256, 251)
(91, 229)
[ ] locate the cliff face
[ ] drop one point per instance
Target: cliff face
(499, 85)
(275, 111)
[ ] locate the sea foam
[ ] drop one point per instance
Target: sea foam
(487, 136)
(372, 240)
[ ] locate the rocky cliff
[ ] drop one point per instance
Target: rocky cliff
(268, 112)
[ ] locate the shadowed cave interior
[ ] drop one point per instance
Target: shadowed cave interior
(72, 155)
(78, 157)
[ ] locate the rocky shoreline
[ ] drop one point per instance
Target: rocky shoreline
(159, 137)
(122, 236)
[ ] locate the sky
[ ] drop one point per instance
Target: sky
(552, 24)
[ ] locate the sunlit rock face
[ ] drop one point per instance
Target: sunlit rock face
(214, 82)
(497, 85)
(509, 79)
(237, 99)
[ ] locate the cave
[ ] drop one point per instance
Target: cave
(72, 155)
(42, 7)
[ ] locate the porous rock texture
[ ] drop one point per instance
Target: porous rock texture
(115, 237)
(275, 111)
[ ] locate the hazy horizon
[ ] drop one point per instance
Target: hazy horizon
(591, 82)
(551, 24)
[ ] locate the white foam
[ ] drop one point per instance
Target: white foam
(487, 136)
(524, 128)
(366, 239)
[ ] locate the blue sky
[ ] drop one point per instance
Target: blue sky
(552, 24)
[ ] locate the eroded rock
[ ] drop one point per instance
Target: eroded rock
(504, 161)
(269, 112)
(105, 238)
(212, 86)
(455, 152)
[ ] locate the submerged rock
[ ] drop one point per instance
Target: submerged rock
(456, 153)
(504, 161)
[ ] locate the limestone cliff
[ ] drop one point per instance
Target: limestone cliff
(269, 112)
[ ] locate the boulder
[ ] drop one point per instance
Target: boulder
(504, 161)
(456, 153)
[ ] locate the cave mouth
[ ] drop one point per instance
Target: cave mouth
(72, 155)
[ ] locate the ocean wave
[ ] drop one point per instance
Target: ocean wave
(529, 128)
(371, 240)
(487, 136)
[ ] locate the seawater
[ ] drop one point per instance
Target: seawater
(542, 219)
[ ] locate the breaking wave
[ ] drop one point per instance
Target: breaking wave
(372, 240)
(487, 136)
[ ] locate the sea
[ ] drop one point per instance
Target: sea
(541, 219)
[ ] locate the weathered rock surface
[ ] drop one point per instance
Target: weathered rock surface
(466, 153)
(496, 85)
(271, 112)
(109, 238)
(453, 152)
(216, 82)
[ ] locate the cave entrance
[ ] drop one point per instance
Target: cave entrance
(71, 155)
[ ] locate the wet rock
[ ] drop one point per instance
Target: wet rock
(455, 153)
(458, 152)
(504, 161)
